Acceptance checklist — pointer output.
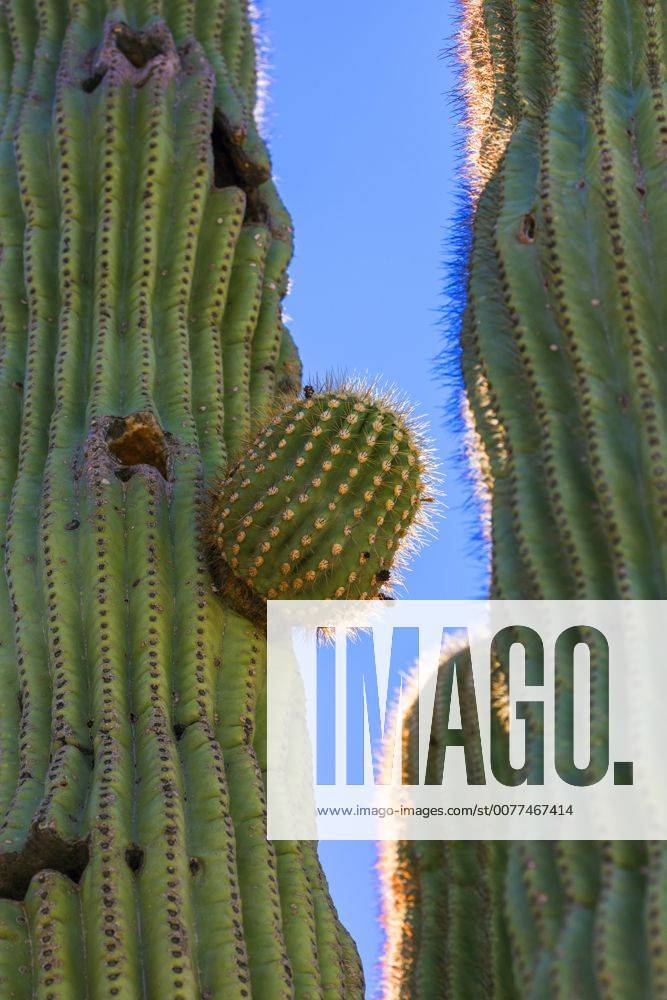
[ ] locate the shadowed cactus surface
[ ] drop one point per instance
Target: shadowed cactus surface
(143, 264)
(564, 355)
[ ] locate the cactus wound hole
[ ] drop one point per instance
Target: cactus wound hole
(528, 228)
(226, 171)
(138, 47)
(43, 849)
(138, 440)
(91, 83)
(134, 856)
(133, 53)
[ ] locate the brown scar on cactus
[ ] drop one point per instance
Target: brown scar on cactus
(135, 55)
(123, 446)
(326, 503)
(44, 848)
(137, 440)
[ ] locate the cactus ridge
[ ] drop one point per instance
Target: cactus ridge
(564, 363)
(143, 266)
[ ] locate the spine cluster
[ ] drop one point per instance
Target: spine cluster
(564, 353)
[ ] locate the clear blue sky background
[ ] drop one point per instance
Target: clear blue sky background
(364, 143)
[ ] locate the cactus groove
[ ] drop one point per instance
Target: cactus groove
(564, 355)
(143, 262)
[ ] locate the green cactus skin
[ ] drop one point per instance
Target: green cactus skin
(564, 353)
(323, 500)
(142, 268)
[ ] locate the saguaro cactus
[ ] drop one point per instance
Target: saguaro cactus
(142, 267)
(564, 353)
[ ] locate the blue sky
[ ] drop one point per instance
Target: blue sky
(365, 148)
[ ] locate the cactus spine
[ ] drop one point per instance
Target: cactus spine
(143, 264)
(564, 354)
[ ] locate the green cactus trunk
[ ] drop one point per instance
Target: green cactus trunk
(143, 263)
(564, 352)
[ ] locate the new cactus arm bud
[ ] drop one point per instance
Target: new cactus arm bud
(323, 500)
